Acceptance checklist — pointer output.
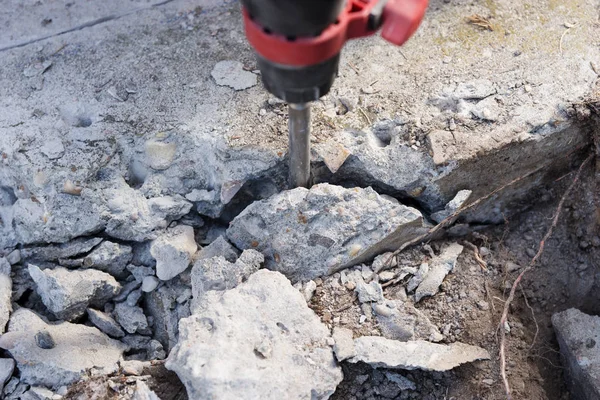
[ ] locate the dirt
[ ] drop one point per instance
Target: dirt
(470, 303)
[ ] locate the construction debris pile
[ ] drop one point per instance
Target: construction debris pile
(150, 246)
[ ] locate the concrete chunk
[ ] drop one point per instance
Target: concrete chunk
(578, 335)
(309, 233)
(68, 293)
(216, 274)
(380, 352)
(173, 251)
(105, 323)
(68, 360)
(439, 267)
(7, 366)
(239, 344)
(109, 257)
(344, 343)
(405, 323)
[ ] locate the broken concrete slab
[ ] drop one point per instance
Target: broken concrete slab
(5, 293)
(404, 322)
(439, 267)
(380, 352)
(69, 360)
(240, 342)
(143, 392)
(217, 274)
(371, 292)
(67, 293)
(578, 335)
(309, 233)
(105, 323)
(173, 251)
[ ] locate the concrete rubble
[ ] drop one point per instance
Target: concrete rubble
(68, 293)
(173, 251)
(308, 233)
(578, 335)
(110, 181)
(385, 353)
(68, 360)
(218, 274)
(215, 358)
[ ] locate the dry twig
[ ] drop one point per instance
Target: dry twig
(480, 21)
(476, 254)
(531, 265)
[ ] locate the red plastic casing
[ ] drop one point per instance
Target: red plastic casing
(401, 18)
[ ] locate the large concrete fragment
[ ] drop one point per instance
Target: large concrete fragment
(578, 335)
(68, 293)
(215, 274)
(309, 233)
(75, 350)
(60, 251)
(380, 352)
(173, 251)
(257, 341)
(5, 293)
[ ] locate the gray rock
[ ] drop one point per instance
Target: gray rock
(69, 360)
(140, 272)
(68, 293)
(109, 257)
(454, 205)
(126, 290)
(402, 382)
(380, 352)
(14, 257)
(251, 334)
(134, 297)
(149, 283)
(173, 251)
(141, 254)
(7, 367)
(5, 293)
(133, 367)
(418, 277)
(155, 350)
(57, 252)
(216, 274)
(438, 269)
(344, 343)
(309, 233)
(105, 323)
(162, 307)
(143, 392)
(136, 342)
(369, 292)
(44, 340)
(219, 247)
(134, 217)
(14, 388)
(406, 323)
(131, 318)
(232, 74)
(578, 335)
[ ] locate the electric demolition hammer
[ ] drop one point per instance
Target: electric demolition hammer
(298, 44)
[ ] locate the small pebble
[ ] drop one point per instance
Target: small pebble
(44, 340)
(531, 252)
(350, 285)
(386, 276)
(149, 284)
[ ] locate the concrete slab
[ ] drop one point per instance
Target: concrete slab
(579, 337)
(446, 112)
